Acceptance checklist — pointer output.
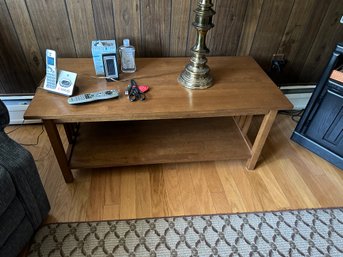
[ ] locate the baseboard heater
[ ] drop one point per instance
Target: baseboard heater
(298, 95)
(17, 106)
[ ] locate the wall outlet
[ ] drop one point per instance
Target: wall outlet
(278, 62)
(278, 57)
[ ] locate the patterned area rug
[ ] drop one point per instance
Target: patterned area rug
(317, 232)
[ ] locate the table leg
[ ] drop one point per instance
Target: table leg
(246, 125)
(58, 148)
(261, 139)
(71, 130)
(68, 128)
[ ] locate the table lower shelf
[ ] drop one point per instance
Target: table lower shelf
(123, 143)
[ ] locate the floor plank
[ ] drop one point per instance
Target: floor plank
(287, 177)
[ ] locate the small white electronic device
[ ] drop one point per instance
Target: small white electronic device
(95, 96)
(51, 69)
(58, 81)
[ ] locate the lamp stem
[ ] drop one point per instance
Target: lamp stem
(196, 74)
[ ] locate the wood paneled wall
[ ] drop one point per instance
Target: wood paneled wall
(306, 31)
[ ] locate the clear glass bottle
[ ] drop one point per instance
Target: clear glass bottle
(127, 56)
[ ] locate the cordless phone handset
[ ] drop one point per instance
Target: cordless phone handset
(51, 69)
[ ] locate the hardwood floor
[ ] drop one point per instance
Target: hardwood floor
(288, 177)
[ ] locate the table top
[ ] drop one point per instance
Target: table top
(240, 88)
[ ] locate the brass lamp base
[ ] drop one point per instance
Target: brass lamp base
(195, 80)
(196, 74)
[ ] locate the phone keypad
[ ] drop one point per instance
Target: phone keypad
(50, 78)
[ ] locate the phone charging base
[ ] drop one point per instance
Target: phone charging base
(65, 83)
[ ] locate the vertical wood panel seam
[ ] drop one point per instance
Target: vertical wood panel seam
(209, 36)
(311, 44)
(96, 31)
(140, 22)
(141, 28)
(315, 39)
(189, 20)
(284, 31)
(70, 28)
(241, 29)
(17, 38)
(257, 26)
(215, 4)
(189, 37)
(113, 20)
(243, 24)
(170, 24)
(34, 31)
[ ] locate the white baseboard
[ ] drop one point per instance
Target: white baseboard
(298, 95)
(16, 107)
(299, 101)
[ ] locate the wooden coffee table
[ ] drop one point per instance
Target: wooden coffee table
(174, 124)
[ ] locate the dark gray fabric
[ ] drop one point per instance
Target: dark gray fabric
(19, 238)
(21, 167)
(7, 191)
(19, 175)
(4, 116)
(10, 220)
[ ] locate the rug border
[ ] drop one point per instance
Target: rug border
(181, 216)
(29, 244)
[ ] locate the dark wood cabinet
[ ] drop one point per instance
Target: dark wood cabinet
(320, 128)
